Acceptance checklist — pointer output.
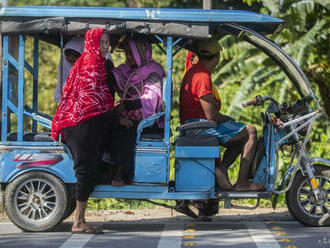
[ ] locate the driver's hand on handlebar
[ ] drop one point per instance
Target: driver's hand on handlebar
(277, 122)
(248, 103)
(258, 100)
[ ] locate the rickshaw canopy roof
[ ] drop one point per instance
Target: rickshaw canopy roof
(190, 23)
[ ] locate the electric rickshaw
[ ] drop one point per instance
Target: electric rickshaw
(36, 173)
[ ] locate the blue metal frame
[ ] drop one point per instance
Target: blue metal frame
(19, 110)
(35, 80)
(5, 89)
(168, 94)
(20, 88)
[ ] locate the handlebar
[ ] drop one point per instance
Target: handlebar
(294, 108)
(256, 101)
(248, 103)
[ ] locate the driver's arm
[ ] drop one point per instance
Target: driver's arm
(210, 111)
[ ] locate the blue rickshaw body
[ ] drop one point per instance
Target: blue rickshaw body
(152, 159)
(164, 168)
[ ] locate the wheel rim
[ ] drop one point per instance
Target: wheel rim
(36, 200)
(307, 201)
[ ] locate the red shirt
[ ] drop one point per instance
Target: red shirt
(195, 84)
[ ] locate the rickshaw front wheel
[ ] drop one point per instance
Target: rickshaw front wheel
(35, 201)
(302, 202)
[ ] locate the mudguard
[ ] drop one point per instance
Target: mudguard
(17, 162)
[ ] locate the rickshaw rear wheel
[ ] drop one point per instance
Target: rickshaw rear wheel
(34, 201)
(71, 205)
(302, 203)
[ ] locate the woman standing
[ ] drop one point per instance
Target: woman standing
(83, 119)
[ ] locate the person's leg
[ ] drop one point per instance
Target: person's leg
(85, 146)
(246, 161)
(221, 176)
(124, 152)
(79, 223)
(234, 148)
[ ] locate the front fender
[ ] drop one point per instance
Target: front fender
(320, 161)
(292, 172)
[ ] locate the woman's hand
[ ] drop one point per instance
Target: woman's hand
(125, 122)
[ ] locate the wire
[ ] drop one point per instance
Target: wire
(203, 166)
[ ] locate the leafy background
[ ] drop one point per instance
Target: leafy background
(242, 73)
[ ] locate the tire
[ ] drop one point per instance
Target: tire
(302, 203)
(71, 205)
(34, 201)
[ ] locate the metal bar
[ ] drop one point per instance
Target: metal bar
(176, 41)
(35, 81)
(158, 38)
(12, 107)
(299, 119)
(43, 146)
(298, 129)
(20, 88)
(151, 149)
(4, 126)
(168, 90)
(12, 60)
(161, 48)
(28, 67)
(180, 48)
(207, 4)
(168, 96)
(305, 142)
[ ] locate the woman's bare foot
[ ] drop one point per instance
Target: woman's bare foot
(221, 176)
(84, 228)
(250, 186)
(118, 178)
(117, 181)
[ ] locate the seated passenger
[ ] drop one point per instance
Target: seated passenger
(197, 103)
(72, 51)
(138, 82)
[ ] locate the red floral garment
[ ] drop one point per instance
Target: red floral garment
(85, 94)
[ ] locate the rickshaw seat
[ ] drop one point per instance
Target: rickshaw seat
(152, 133)
(203, 140)
(189, 134)
(41, 137)
(148, 130)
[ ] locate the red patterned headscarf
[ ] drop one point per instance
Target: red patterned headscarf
(85, 94)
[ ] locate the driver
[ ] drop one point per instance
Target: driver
(197, 103)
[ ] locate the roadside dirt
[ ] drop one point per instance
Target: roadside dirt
(161, 214)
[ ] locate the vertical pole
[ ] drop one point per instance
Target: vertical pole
(207, 4)
(168, 95)
(1, 66)
(35, 81)
(20, 88)
(5, 65)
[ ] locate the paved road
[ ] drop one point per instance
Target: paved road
(174, 234)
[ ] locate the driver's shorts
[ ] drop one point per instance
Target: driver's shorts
(225, 130)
